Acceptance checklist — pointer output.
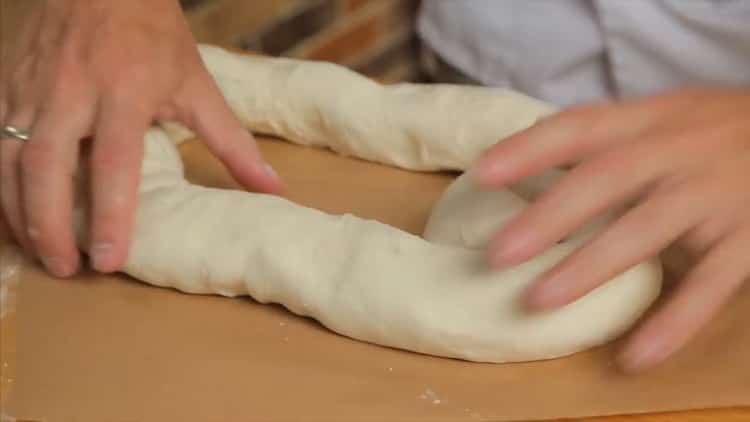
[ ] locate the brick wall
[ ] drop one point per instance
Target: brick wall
(375, 37)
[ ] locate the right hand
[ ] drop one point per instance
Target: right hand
(104, 69)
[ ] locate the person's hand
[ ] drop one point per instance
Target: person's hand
(679, 161)
(104, 69)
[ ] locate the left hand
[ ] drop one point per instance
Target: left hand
(682, 159)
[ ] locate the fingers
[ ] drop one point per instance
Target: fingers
(588, 190)
(10, 189)
(214, 121)
(47, 163)
(704, 291)
(562, 139)
(115, 171)
(639, 234)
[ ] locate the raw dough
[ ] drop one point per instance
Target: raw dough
(361, 278)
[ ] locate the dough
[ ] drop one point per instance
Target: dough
(362, 278)
(415, 127)
(469, 217)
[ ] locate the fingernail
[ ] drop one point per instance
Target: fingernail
(102, 257)
(549, 295)
(497, 260)
(481, 173)
(57, 266)
(508, 249)
(505, 256)
(488, 172)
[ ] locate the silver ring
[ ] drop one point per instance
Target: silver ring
(9, 131)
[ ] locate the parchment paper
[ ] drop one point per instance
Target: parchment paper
(108, 348)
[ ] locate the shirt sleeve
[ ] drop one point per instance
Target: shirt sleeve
(658, 45)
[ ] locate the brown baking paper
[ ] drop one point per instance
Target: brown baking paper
(108, 348)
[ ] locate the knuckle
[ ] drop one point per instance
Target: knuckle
(4, 89)
(131, 97)
(67, 72)
(66, 89)
(20, 74)
(45, 233)
(128, 78)
(116, 154)
(66, 77)
(105, 160)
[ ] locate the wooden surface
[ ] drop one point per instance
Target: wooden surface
(723, 415)
(717, 415)
(713, 415)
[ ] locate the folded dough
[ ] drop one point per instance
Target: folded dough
(361, 278)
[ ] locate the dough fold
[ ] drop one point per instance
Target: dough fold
(362, 278)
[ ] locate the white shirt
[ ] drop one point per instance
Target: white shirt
(572, 51)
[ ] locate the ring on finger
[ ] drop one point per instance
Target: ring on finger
(13, 132)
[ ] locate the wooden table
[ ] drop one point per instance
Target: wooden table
(714, 415)
(717, 415)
